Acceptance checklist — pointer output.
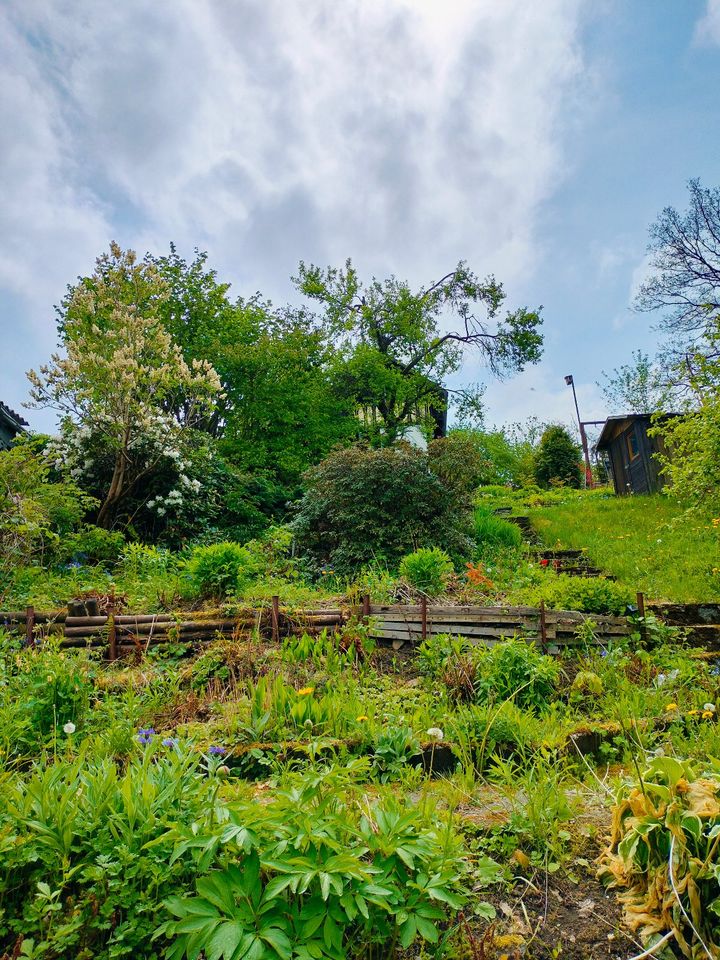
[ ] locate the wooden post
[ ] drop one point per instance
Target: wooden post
(641, 614)
(641, 604)
(366, 608)
(423, 617)
(30, 626)
(276, 619)
(543, 627)
(112, 633)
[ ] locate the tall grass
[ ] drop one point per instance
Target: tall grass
(493, 531)
(649, 542)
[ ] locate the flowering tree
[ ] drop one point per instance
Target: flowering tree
(116, 379)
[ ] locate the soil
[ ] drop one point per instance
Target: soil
(551, 917)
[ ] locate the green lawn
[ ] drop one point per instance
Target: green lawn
(648, 542)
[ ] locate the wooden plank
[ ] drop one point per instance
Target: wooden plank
(434, 611)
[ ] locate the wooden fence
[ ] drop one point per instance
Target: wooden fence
(395, 624)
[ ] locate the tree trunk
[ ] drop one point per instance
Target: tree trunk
(106, 515)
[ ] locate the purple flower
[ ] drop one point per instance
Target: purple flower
(216, 750)
(145, 736)
(169, 742)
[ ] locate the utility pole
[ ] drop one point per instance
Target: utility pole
(583, 436)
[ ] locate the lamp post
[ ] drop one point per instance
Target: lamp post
(583, 436)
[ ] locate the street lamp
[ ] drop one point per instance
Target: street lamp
(583, 436)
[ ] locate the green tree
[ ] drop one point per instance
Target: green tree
(364, 505)
(557, 460)
(120, 371)
(395, 350)
(280, 410)
(636, 387)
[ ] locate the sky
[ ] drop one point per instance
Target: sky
(536, 141)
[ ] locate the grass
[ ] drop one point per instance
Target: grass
(651, 543)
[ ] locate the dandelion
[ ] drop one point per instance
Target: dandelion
(306, 691)
(709, 707)
(708, 714)
(436, 733)
(693, 713)
(670, 707)
(362, 718)
(216, 750)
(69, 727)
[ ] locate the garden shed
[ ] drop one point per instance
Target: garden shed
(631, 453)
(11, 424)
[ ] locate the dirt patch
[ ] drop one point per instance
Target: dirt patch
(547, 917)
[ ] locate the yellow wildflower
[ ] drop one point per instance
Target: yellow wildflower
(362, 718)
(670, 707)
(693, 713)
(707, 714)
(305, 691)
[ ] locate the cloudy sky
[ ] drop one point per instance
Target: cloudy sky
(536, 140)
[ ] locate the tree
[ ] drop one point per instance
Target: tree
(636, 387)
(557, 460)
(395, 354)
(364, 505)
(685, 285)
(119, 375)
(280, 410)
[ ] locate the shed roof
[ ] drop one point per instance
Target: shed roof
(14, 419)
(603, 441)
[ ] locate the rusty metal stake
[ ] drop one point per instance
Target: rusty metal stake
(366, 607)
(423, 617)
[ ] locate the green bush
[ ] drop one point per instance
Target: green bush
(363, 506)
(516, 670)
(91, 545)
(492, 531)
(587, 594)
(427, 569)
(142, 560)
(220, 569)
(557, 460)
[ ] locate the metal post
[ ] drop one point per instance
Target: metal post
(112, 633)
(569, 380)
(423, 617)
(276, 619)
(30, 626)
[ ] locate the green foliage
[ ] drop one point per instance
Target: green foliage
(492, 532)
(515, 669)
(393, 352)
(392, 752)
(458, 460)
(557, 460)
(139, 559)
(220, 569)
(91, 545)
(362, 506)
(691, 457)
(427, 569)
(35, 510)
(587, 594)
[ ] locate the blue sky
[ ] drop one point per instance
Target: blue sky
(536, 141)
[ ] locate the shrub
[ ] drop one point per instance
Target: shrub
(492, 531)
(587, 594)
(363, 506)
(142, 560)
(91, 545)
(557, 460)
(220, 569)
(517, 670)
(427, 569)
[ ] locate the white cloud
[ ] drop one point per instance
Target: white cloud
(707, 30)
(403, 133)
